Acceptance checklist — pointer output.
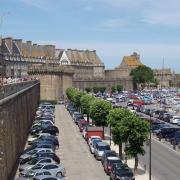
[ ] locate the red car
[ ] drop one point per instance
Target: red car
(82, 124)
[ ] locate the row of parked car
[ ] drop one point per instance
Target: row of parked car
(39, 160)
(112, 164)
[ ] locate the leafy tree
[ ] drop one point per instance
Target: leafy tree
(86, 101)
(95, 89)
(113, 89)
(115, 120)
(99, 110)
(76, 99)
(142, 75)
(136, 131)
(88, 89)
(102, 89)
(119, 87)
(74, 96)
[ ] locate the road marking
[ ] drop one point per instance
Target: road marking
(166, 146)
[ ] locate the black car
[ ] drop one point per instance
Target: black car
(108, 163)
(108, 153)
(54, 142)
(164, 132)
(77, 118)
(121, 172)
(175, 140)
(53, 130)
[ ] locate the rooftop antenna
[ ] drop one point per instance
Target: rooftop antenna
(162, 74)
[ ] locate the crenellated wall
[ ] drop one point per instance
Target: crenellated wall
(16, 116)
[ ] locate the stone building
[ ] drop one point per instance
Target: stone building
(164, 77)
(123, 70)
(83, 68)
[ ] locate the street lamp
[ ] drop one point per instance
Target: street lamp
(150, 125)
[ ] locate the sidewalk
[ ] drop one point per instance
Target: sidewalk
(141, 174)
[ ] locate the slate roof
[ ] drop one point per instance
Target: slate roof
(83, 56)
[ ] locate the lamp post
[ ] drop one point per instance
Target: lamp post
(150, 147)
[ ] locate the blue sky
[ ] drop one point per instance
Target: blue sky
(113, 27)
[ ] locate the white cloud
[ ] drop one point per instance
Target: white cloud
(113, 23)
(160, 12)
(40, 4)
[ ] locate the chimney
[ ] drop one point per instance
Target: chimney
(8, 42)
(49, 50)
(29, 48)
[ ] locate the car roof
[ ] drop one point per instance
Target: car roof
(113, 158)
(102, 144)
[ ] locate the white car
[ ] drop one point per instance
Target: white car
(93, 137)
(55, 169)
(175, 119)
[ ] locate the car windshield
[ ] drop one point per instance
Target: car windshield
(103, 148)
(112, 154)
(111, 161)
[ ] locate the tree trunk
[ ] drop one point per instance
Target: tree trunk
(136, 163)
(88, 118)
(103, 133)
(120, 150)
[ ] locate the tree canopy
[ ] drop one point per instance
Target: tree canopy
(99, 110)
(142, 75)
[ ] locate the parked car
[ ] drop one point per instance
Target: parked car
(93, 143)
(34, 161)
(99, 149)
(42, 155)
(106, 154)
(176, 138)
(92, 138)
(27, 156)
(47, 177)
(175, 119)
(121, 171)
(108, 162)
(163, 133)
(55, 169)
(37, 146)
(82, 124)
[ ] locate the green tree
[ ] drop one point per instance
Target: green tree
(136, 131)
(118, 131)
(88, 89)
(86, 101)
(119, 87)
(102, 89)
(95, 89)
(99, 110)
(76, 99)
(113, 89)
(142, 75)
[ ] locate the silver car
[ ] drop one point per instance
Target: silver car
(33, 162)
(34, 151)
(32, 174)
(44, 177)
(55, 169)
(99, 149)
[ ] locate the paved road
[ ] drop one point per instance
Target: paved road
(165, 162)
(74, 152)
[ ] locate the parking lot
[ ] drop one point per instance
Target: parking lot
(74, 151)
